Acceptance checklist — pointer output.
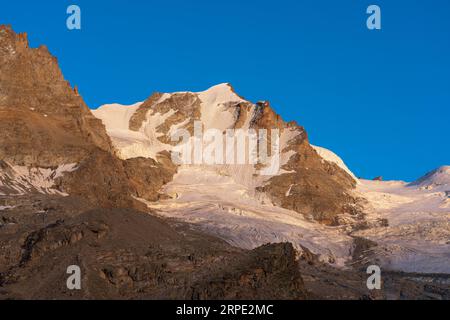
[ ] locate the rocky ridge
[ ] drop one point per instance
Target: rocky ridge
(45, 124)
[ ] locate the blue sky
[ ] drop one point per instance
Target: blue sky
(380, 99)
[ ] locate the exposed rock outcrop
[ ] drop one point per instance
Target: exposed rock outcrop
(42, 120)
(125, 254)
(45, 124)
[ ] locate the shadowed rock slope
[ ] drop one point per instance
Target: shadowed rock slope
(124, 254)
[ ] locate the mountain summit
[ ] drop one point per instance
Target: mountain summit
(306, 182)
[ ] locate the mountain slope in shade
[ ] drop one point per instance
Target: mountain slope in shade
(439, 177)
(416, 232)
(318, 189)
(125, 254)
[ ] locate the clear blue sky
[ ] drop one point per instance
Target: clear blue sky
(380, 99)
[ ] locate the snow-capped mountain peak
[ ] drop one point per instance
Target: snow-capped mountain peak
(221, 93)
(330, 156)
(146, 130)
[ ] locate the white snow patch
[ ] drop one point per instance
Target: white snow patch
(2, 208)
(418, 236)
(330, 156)
(116, 116)
(20, 180)
(288, 192)
(214, 112)
(129, 143)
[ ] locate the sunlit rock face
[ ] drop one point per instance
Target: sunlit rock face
(45, 127)
(44, 122)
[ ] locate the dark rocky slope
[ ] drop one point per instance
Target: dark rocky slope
(125, 254)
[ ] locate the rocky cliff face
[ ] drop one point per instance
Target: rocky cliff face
(45, 124)
(309, 184)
